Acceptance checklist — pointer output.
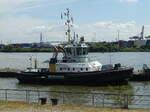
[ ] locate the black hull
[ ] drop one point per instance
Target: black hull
(113, 77)
(145, 76)
(141, 77)
(8, 74)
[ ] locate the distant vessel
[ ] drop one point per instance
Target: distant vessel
(75, 68)
(142, 76)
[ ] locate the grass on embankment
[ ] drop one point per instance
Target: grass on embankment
(28, 107)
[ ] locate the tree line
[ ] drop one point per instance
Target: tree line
(93, 47)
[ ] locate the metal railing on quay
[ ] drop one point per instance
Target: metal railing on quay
(76, 98)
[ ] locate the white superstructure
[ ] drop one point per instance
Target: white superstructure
(75, 54)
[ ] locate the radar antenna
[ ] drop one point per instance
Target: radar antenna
(68, 23)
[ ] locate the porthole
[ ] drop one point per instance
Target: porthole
(86, 69)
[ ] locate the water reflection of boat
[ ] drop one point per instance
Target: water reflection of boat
(75, 67)
(143, 75)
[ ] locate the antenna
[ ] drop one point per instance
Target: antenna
(74, 36)
(41, 37)
(35, 63)
(118, 31)
(68, 23)
(30, 59)
(142, 33)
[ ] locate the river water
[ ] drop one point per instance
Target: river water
(21, 61)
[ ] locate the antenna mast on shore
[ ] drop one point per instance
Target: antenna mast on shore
(68, 23)
(118, 38)
(41, 37)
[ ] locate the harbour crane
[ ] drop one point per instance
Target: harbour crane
(139, 36)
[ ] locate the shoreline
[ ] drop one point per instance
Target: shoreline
(32, 107)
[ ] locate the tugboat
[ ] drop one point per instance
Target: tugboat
(75, 68)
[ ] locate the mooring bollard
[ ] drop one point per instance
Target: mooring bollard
(43, 101)
(54, 101)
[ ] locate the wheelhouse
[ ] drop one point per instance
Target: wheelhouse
(77, 53)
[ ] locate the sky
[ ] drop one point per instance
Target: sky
(97, 20)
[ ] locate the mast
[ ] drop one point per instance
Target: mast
(41, 37)
(142, 33)
(68, 23)
(118, 38)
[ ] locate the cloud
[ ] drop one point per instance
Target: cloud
(23, 28)
(19, 29)
(107, 30)
(12, 6)
(17, 26)
(7, 6)
(129, 1)
(99, 31)
(27, 29)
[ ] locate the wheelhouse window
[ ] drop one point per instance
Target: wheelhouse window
(68, 69)
(68, 50)
(74, 51)
(79, 51)
(60, 69)
(85, 51)
(73, 69)
(82, 51)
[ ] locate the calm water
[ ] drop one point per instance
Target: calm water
(21, 61)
